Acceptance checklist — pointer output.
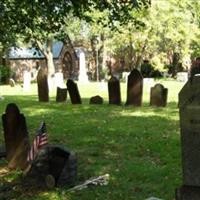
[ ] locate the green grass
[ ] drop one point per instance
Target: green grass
(138, 147)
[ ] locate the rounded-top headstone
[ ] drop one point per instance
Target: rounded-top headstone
(96, 100)
(158, 95)
(134, 88)
(42, 81)
(114, 91)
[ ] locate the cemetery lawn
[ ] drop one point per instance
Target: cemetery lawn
(138, 147)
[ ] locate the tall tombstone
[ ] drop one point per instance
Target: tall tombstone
(42, 82)
(189, 109)
(26, 81)
(158, 96)
(114, 91)
(134, 88)
(16, 137)
(61, 95)
(73, 92)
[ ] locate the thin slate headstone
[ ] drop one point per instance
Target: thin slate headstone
(158, 96)
(114, 91)
(134, 88)
(42, 82)
(16, 137)
(189, 107)
(73, 92)
(96, 100)
(61, 95)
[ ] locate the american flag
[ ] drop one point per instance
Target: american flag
(39, 141)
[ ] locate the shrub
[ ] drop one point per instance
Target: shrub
(4, 74)
(146, 69)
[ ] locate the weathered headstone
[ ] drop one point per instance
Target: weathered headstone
(73, 92)
(134, 88)
(189, 108)
(16, 137)
(11, 82)
(114, 91)
(42, 81)
(61, 95)
(54, 165)
(96, 100)
(158, 96)
(26, 81)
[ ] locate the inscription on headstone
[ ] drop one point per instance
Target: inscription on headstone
(42, 81)
(134, 88)
(114, 91)
(61, 95)
(158, 96)
(189, 109)
(73, 92)
(16, 137)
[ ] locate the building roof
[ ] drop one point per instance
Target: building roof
(33, 53)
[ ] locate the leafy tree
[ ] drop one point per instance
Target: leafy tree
(40, 22)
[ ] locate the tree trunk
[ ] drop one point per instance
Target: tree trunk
(47, 51)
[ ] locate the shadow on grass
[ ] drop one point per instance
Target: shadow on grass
(135, 145)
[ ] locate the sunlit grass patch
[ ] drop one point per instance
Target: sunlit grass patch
(138, 147)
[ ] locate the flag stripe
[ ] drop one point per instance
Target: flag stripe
(39, 141)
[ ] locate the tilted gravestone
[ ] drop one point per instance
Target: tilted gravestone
(61, 95)
(114, 91)
(189, 109)
(96, 100)
(158, 96)
(42, 82)
(73, 92)
(16, 137)
(134, 88)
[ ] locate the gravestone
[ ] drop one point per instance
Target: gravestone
(16, 137)
(158, 96)
(73, 92)
(11, 82)
(59, 79)
(55, 166)
(189, 109)
(96, 100)
(26, 81)
(114, 91)
(61, 95)
(42, 82)
(134, 88)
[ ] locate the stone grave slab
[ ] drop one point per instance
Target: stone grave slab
(134, 88)
(73, 92)
(158, 96)
(96, 100)
(189, 109)
(61, 95)
(114, 92)
(42, 82)
(16, 137)
(55, 166)
(26, 81)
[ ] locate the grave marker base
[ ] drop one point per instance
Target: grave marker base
(187, 192)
